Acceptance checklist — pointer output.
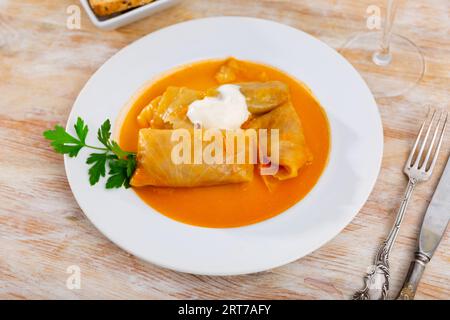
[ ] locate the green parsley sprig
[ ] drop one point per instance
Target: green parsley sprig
(121, 163)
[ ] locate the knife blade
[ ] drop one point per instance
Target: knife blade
(437, 216)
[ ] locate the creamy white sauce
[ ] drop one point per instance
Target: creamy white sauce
(228, 110)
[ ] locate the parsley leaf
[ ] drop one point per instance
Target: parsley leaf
(82, 130)
(118, 174)
(104, 133)
(62, 142)
(98, 168)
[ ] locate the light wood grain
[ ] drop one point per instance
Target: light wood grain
(43, 66)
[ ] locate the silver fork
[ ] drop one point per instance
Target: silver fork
(417, 169)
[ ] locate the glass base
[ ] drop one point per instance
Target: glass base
(388, 75)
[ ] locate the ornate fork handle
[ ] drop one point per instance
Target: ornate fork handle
(377, 280)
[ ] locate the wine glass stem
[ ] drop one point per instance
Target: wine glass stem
(383, 56)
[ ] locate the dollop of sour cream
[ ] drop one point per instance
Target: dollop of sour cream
(228, 110)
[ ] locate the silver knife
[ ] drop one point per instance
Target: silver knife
(433, 228)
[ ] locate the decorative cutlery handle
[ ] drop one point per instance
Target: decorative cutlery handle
(377, 280)
(413, 277)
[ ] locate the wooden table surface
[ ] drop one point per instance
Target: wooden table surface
(44, 65)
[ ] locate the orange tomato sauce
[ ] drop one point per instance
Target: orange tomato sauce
(232, 205)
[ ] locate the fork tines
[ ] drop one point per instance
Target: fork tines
(417, 160)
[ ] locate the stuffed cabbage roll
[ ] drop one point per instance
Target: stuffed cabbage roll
(261, 97)
(169, 110)
(293, 151)
(155, 166)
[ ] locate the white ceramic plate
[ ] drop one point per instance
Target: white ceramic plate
(357, 144)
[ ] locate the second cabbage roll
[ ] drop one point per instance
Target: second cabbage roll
(293, 151)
